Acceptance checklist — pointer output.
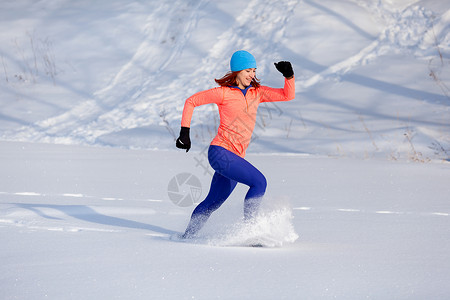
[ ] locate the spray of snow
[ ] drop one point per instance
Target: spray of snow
(271, 227)
(268, 229)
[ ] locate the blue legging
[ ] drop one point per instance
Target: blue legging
(229, 170)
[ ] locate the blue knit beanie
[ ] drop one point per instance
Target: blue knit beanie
(242, 60)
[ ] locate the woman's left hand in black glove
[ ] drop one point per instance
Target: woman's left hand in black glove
(184, 141)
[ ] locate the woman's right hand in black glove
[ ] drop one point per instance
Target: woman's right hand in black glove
(285, 68)
(184, 142)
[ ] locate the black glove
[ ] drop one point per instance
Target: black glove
(285, 68)
(184, 142)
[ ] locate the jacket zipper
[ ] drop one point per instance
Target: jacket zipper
(246, 102)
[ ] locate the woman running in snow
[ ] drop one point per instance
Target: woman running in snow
(237, 98)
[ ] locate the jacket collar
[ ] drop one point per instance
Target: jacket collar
(244, 91)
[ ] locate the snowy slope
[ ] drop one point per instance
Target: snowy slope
(372, 77)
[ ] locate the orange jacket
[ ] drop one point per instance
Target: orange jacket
(237, 112)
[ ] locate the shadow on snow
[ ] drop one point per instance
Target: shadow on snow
(85, 213)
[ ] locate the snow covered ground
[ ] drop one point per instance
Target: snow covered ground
(94, 223)
(357, 165)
